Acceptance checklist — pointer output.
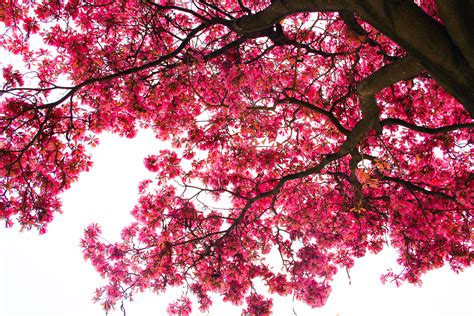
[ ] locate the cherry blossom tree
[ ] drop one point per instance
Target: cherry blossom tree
(313, 131)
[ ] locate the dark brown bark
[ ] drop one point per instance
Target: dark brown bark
(425, 39)
(445, 52)
(402, 69)
(281, 8)
(458, 18)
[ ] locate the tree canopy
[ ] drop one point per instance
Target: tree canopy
(315, 131)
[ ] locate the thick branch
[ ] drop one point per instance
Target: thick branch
(279, 9)
(458, 17)
(423, 129)
(406, 23)
(351, 22)
(402, 69)
(425, 39)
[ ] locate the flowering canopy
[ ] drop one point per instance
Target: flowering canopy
(311, 130)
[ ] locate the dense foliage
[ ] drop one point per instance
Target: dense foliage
(313, 131)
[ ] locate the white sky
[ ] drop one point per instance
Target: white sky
(47, 275)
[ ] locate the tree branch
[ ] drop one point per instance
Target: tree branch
(351, 22)
(424, 129)
(458, 18)
(279, 9)
(414, 187)
(128, 71)
(425, 39)
(403, 68)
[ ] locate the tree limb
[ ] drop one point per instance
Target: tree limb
(279, 9)
(403, 68)
(425, 39)
(414, 187)
(458, 18)
(424, 129)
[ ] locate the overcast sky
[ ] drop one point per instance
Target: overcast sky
(47, 275)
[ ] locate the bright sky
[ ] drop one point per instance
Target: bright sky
(47, 275)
